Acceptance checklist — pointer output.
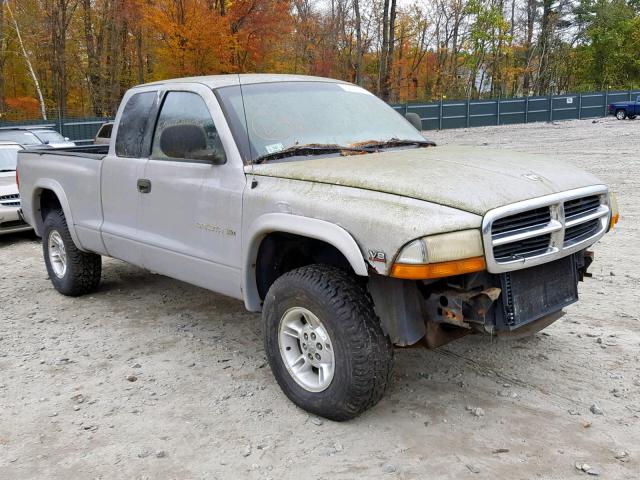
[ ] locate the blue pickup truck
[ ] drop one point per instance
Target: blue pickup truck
(624, 110)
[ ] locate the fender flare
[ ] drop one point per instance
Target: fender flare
(297, 225)
(36, 215)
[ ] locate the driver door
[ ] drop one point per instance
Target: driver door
(190, 213)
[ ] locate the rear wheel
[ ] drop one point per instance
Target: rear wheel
(621, 114)
(71, 271)
(324, 342)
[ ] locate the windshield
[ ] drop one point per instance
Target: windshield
(285, 115)
(9, 157)
(50, 136)
(19, 136)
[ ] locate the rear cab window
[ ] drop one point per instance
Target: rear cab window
(136, 121)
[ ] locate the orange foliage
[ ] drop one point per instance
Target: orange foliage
(24, 107)
(258, 27)
(193, 38)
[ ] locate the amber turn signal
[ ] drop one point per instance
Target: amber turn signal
(615, 212)
(438, 270)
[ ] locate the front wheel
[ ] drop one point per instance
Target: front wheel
(621, 114)
(324, 342)
(72, 271)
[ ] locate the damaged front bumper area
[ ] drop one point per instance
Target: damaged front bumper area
(509, 304)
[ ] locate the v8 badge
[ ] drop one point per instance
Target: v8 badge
(377, 256)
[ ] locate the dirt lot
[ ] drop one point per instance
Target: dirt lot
(204, 403)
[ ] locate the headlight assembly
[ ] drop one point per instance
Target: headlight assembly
(443, 255)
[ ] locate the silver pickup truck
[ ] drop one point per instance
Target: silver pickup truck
(317, 204)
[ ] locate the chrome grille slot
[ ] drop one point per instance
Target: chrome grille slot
(581, 230)
(10, 200)
(531, 218)
(581, 205)
(525, 247)
(544, 229)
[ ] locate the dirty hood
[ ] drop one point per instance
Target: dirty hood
(473, 179)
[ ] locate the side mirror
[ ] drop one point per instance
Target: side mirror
(188, 142)
(414, 119)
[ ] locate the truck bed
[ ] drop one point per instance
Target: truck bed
(96, 152)
(73, 174)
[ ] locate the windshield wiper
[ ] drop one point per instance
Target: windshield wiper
(395, 142)
(8, 170)
(311, 149)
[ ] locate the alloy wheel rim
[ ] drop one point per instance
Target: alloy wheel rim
(306, 349)
(57, 254)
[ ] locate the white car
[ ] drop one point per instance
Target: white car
(10, 219)
(35, 137)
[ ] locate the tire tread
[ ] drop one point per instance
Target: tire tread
(85, 268)
(372, 359)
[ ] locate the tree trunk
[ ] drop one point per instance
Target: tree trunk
(384, 47)
(140, 54)
(93, 60)
(59, 19)
(388, 43)
(544, 43)
(43, 108)
(359, 52)
(528, 46)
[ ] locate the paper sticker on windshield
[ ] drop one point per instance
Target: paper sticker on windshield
(274, 147)
(353, 89)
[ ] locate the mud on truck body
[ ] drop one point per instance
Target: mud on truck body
(320, 206)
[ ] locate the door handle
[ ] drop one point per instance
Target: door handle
(144, 185)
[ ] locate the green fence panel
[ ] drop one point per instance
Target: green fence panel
(506, 111)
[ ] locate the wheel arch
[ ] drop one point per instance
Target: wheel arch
(45, 193)
(307, 228)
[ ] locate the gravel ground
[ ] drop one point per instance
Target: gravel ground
(153, 378)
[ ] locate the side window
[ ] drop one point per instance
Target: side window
(105, 131)
(185, 130)
(133, 125)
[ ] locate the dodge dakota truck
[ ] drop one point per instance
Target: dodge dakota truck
(317, 204)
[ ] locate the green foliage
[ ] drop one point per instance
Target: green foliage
(611, 29)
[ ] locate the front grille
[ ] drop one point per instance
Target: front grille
(581, 205)
(10, 200)
(543, 229)
(527, 247)
(582, 230)
(531, 218)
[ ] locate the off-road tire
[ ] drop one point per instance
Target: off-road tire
(83, 270)
(363, 354)
(621, 114)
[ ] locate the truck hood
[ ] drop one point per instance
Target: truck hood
(8, 183)
(473, 179)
